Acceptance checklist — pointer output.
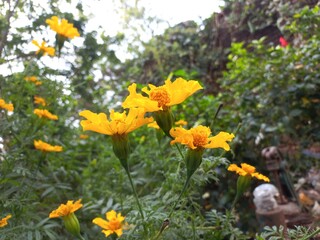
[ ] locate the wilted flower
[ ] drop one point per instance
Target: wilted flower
(7, 106)
(43, 49)
(40, 100)
(43, 113)
(113, 225)
(33, 79)
(62, 27)
(247, 170)
(4, 221)
(43, 146)
(66, 212)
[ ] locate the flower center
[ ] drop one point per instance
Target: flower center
(161, 96)
(114, 224)
(200, 139)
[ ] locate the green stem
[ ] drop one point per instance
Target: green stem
(179, 151)
(311, 235)
(183, 190)
(215, 117)
(166, 222)
(80, 237)
(135, 193)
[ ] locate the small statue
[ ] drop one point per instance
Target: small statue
(278, 167)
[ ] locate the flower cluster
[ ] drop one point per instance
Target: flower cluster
(114, 225)
(33, 79)
(8, 106)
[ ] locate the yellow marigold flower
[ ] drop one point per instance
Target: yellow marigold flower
(4, 221)
(119, 123)
(162, 97)
(181, 123)
(83, 136)
(40, 100)
(198, 138)
(247, 170)
(43, 49)
(153, 125)
(62, 27)
(43, 146)
(7, 106)
(66, 209)
(43, 113)
(33, 79)
(113, 225)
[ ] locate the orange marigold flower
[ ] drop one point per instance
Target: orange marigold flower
(40, 100)
(46, 147)
(4, 221)
(43, 113)
(33, 79)
(162, 97)
(66, 209)
(8, 106)
(43, 49)
(247, 170)
(62, 27)
(113, 225)
(198, 138)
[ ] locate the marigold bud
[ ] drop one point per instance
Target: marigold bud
(121, 148)
(165, 120)
(72, 224)
(193, 160)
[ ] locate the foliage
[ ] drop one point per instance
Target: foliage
(271, 91)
